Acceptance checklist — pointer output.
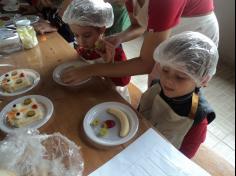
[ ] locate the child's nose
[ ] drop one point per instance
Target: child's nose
(169, 82)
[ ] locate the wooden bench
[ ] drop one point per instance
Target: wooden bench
(205, 157)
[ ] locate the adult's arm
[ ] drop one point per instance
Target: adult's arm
(135, 30)
(136, 66)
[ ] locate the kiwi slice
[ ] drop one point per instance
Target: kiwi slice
(19, 81)
(14, 73)
(30, 113)
(27, 101)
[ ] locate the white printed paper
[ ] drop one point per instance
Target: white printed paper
(150, 155)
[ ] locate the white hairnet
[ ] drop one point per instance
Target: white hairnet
(190, 52)
(95, 13)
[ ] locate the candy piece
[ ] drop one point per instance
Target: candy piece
(103, 132)
(95, 122)
(108, 124)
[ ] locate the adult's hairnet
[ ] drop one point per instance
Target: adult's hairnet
(190, 52)
(95, 13)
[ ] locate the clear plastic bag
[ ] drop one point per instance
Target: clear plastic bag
(9, 41)
(32, 154)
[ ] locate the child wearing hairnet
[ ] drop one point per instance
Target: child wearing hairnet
(175, 104)
(88, 20)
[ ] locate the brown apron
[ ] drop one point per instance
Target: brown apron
(171, 125)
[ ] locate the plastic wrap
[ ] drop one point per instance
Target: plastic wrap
(190, 52)
(27, 34)
(32, 154)
(9, 41)
(89, 13)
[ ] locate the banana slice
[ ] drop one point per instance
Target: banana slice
(122, 117)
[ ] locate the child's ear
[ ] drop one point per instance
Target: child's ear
(205, 81)
(158, 65)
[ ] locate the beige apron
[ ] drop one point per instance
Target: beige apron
(141, 13)
(165, 120)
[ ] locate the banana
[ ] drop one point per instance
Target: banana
(122, 117)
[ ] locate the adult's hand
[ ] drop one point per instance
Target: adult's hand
(114, 40)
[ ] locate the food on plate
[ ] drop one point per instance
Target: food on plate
(108, 124)
(95, 122)
(15, 80)
(24, 113)
(103, 132)
(6, 173)
(122, 117)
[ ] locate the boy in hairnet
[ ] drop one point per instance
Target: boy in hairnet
(88, 20)
(175, 104)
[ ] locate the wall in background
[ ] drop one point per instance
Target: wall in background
(225, 12)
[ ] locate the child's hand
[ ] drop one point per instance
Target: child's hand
(73, 76)
(43, 27)
(106, 50)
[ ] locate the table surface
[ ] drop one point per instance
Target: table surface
(70, 104)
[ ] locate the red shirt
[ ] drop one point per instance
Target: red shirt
(165, 14)
(194, 138)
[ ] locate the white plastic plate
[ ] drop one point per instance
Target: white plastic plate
(113, 138)
(58, 71)
(33, 76)
(46, 105)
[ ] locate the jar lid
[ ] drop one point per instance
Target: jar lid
(22, 23)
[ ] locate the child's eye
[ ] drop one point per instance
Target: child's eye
(86, 35)
(181, 78)
(165, 70)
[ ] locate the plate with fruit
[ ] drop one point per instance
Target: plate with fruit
(18, 81)
(28, 112)
(110, 124)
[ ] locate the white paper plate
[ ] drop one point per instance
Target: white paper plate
(47, 111)
(113, 138)
(33, 18)
(34, 77)
(59, 70)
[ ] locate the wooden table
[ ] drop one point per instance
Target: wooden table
(70, 105)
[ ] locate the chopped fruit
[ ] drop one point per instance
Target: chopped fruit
(22, 75)
(100, 46)
(43, 38)
(19, 81)
(27, 101)
(14, 73)
(108, 124)
(95, 122)
(34, 106)
(103, 132)
(30, 113)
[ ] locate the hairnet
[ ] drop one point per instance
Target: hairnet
(190, 52)
(95, 13)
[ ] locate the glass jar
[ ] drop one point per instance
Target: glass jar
(27, 33)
